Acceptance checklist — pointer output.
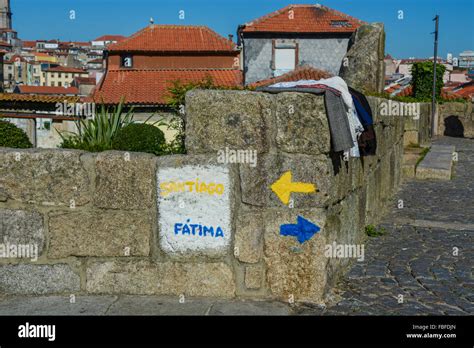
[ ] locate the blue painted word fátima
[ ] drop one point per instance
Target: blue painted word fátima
(197, 230)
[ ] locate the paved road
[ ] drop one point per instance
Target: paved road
(411, 270)
(424, 263)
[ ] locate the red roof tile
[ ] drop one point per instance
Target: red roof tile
(65, 69)
(28, 44)
(151, 86)
(85, 80)
(304, 19)
(47, 90)
(175, 38)
(15, 97)
(300, 73)
(465, 92)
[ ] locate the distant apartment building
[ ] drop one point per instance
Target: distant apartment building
(61, 76)
(15, 70)
(466, 59)
(297, 35)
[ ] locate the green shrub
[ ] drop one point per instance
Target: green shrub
(422, 80)
(140, 137)
(372, 231)
(12, 136)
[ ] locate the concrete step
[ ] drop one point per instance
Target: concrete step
(437, 164)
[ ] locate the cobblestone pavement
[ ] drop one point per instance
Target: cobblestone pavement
(423, 265)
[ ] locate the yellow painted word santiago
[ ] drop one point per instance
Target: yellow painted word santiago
(195, 186)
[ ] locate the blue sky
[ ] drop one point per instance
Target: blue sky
(407, 37)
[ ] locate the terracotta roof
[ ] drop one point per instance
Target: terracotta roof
(151, 86)
(85, 80)
(304, 19)
(300, 73)
(28, 44)
(15, 97)
(15, 58)
(465, 91)
(65, 69)
(47, 90)
(110, 38)
(175, 38)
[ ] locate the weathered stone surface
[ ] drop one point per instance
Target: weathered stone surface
(21, 227)
(170, 278)
(234, 119)
(256, 182)
(159, 305)
(249, 237)
(3, 195)
(99, 233)
(124, 180)
(56, 305)
(254, 276)
(247, 307)
(302, 124)
(48, 177)
(437, 164)
(364, 70)
(456, 119)
(295, 269)
(38, 279)
(411, 138)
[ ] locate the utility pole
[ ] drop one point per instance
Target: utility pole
(433, 97)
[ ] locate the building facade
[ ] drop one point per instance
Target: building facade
(61, 76)
(297, 35)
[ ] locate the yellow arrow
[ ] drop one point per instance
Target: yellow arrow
(283, 187)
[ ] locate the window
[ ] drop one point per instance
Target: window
(127, 61)
(60, 84)
(52, 83)
(285, 57)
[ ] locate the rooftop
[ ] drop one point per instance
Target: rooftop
(151, 86)
(47, 90)
(175, 38)
(65, 69)
(304, 19)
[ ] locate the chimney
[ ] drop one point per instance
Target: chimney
(231, 37)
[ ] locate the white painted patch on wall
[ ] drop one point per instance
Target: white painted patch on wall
(194, 209)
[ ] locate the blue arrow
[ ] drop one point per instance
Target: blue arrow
(303, 230)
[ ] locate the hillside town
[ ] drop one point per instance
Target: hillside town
(142, 67)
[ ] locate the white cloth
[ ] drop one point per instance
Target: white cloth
(339, 84)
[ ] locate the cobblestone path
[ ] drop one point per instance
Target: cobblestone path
(423, 265)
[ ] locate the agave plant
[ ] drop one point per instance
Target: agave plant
(97, 133)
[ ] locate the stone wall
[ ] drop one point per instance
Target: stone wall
(456, 119)
(417, 128)
(100, 222)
